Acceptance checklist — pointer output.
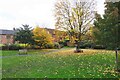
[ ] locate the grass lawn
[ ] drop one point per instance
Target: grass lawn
(60, 64)
(119, 59)
(13, 53)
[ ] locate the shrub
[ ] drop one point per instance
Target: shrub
(70, 44)
(35, 47)
(61, 45)
(99, 47)
(82, 46)
(11, 47)
(56, 45)
(64, 42)
(5, 47)
(1, 45)
(86, 44)
(49, 46)
(15, 47)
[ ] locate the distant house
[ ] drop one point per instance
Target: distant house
(57, 34)
(6, 36)
(52, 32)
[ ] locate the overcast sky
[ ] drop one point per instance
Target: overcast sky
(13, 13)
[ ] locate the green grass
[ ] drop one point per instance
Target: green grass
(119, 59)
(61, 64)
(15, 52)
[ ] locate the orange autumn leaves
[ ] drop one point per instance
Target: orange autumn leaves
(42, 36)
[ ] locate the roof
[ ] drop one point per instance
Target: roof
(50, 30)
(6, 31)
(2, 31)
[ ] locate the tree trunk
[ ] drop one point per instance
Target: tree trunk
(78, 50)
(117, 60)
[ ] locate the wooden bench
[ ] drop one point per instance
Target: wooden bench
(22, 51)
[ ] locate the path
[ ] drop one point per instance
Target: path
(37, 54)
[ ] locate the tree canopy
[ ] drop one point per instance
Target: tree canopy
(107, 28)
(42, 36)
(24, 35)
(74, 17)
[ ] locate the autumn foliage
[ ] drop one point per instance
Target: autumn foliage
(42, 37)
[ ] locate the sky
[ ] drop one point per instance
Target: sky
(14, 13)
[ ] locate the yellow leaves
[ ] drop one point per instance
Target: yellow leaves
(42, 35)
(78, 12)
(60, 35)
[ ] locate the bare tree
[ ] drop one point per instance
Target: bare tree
(74, 17)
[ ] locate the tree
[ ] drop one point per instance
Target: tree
(88, 38)
(24, 35)
(42, 37)
(108, 28)
(60, 35)
(74, 17)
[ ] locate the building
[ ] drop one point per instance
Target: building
(6, 36)
(57, 34)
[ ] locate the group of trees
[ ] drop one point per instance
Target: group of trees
(107, 28)
(76, 16)
(37, 36)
